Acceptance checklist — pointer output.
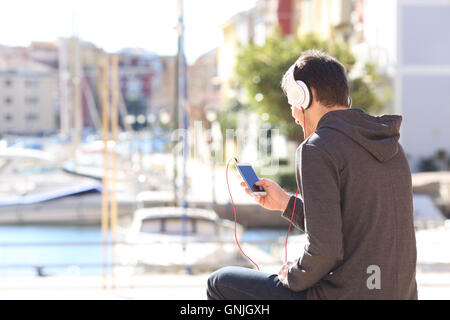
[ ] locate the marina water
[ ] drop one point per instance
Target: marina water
(73, 250)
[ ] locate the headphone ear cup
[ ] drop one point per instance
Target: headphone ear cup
(306, 93)
(310, 98)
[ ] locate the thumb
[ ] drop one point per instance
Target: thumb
(262, 182)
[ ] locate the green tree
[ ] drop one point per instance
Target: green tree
(371, 91)
(259, 71)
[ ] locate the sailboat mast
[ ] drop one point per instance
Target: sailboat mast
(76, 92)
(183, 102)
(177, 100)
(64, 77)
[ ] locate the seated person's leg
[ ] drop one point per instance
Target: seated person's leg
(238, 283)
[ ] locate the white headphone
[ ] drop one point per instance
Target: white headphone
(299, 94)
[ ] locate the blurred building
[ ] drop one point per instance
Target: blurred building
(28, 102)
(423, 77)
(329, 19)
(163, 98)
(405, 39)
(255, 24)
(145, 79)
(44, 52)
(372, 41)
(79, 80)
(9, 53)
(408, 41)
(59, 59)
(203, 86)
(139, 74)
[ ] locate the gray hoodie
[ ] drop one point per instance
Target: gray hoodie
(356, 208)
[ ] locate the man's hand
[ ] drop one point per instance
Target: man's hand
(282, 274)
(275, 199)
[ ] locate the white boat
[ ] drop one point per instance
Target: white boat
(163, 237)
(32, 176)
(34, 189)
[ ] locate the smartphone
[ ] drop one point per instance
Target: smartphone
(250, 178)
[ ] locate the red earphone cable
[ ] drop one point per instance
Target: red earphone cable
(235, 221)
(296, 193)
(235, 218)
(290, 223)
(304, 123)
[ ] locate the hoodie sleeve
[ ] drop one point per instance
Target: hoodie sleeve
(299, 219)
(322, 219)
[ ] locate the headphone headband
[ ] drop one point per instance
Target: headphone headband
(298, 92)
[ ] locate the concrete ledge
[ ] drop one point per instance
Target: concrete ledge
(432, 285)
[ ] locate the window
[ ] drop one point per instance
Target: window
(31, 83)
(307, 16)
(242, 33)
(205, 228)
(8, 117)
(32, 117)
(260, 33)
(174, 226)
(31, 100)
(8, 101)
(151, 226)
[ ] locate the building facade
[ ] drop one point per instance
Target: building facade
(139, 72)
(67, 76)
(255, 24)
(411, 47)
(329, 19)
(422, 77)
(28, 99)
(163, 98)
(203, 86)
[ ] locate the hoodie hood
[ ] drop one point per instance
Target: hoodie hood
(377, 134)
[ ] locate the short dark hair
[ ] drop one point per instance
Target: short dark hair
(325, 74)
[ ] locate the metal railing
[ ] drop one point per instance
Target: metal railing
(40, 267)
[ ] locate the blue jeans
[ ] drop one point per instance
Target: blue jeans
(238, 283)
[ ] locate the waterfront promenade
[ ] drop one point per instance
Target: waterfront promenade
(431, 285)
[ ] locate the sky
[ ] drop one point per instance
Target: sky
(116, 24)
